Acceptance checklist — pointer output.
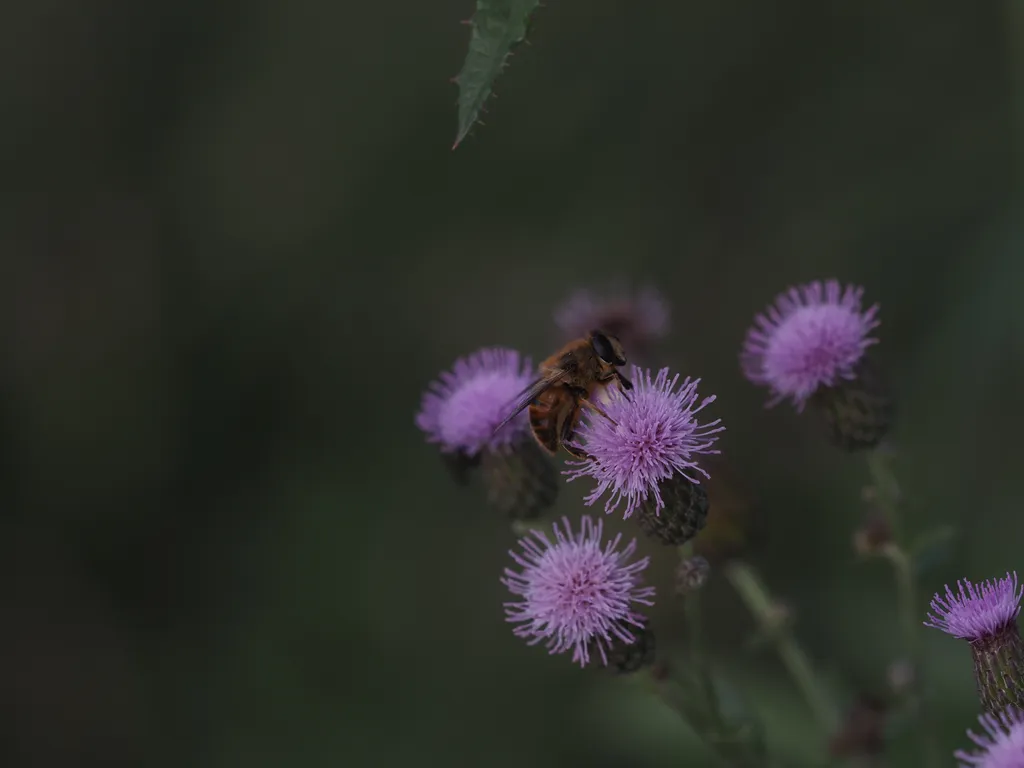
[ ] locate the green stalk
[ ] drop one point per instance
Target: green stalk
(753, 592)
(887, 497)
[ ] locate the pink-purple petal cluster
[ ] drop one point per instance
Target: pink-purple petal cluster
(812, 336)
(640, 316)
(577, 593)
(976, 611)
(655, 435)
(461, 409)
(1001, 744)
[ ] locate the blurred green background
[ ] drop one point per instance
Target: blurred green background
(236, 247)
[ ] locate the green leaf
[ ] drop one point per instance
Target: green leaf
(498, 26)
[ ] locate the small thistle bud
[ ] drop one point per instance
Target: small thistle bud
(857, 412)
(682, 515)
(626, 658)
(692, 574)
(985, 615)
(522, 481)
(873, 536)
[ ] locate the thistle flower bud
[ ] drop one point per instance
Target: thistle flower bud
(522, 481)
(858, 412)
(873, 536)
(626, 658)
(985, 615)
(682, 515)
(692, 574)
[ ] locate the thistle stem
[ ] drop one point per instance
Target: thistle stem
(753, 592)
(887, 494)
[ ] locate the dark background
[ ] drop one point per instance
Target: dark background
(236, 246)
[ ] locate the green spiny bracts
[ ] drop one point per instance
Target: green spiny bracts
(521, 481)
(999, 670)
(626, 658)
(857, 412)
(682, 517)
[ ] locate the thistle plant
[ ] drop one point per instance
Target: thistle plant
(653, 457)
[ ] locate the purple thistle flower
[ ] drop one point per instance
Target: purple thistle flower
(576, 593)
(812, 336)
(462, 408)
(1002, 743)
(977, 611)
(654, 438)
(635, 318)
(985, 615)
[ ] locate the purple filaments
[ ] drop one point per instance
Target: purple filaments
(461, 409)
(977, 611)
(575, 592)
(655, 436)
(812, 336)
(1001, 744)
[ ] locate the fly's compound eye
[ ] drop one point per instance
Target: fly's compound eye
(607, 348)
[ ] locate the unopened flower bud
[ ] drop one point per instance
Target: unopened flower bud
(873, 536)
(692, 574)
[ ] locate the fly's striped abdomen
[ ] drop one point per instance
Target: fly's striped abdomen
(547, 415)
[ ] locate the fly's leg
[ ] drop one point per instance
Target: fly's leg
(568, 434)
(597, 408)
